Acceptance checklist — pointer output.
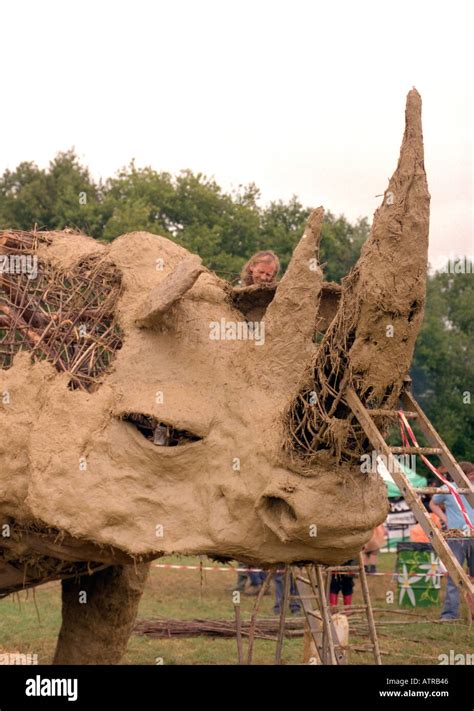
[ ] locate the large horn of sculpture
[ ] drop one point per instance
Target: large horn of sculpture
(371, 340)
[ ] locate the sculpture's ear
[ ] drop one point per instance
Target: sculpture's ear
(173, 287)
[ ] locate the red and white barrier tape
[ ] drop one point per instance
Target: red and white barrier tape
(214, 568)
(404, 429)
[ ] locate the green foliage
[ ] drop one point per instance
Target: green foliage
(225, 229)
(282, 224)
(189, 208)
(341, 244)
(443, 366)
(64, 195)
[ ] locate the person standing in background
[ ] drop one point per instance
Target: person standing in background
(463, 549)
(371, 549)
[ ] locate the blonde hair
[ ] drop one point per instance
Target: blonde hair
(266, 256)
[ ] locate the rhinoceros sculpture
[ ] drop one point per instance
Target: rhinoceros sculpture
(143, 412)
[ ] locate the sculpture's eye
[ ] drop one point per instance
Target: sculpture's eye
(159, 433)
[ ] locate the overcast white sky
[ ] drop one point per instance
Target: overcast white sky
(301, 97)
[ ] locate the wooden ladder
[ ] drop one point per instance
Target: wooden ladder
(366, 607)
(309, 582)
(412, 410)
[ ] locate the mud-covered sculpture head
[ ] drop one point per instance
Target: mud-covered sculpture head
(192, 436)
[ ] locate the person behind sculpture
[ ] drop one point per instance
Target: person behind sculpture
(261, 268)
(462, 549)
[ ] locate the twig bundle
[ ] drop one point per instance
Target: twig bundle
(265, 628)
(64, 317)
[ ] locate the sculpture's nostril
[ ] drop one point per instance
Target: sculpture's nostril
(278, 515)
(279, 507)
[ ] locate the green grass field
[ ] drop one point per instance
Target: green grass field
(29, 623)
